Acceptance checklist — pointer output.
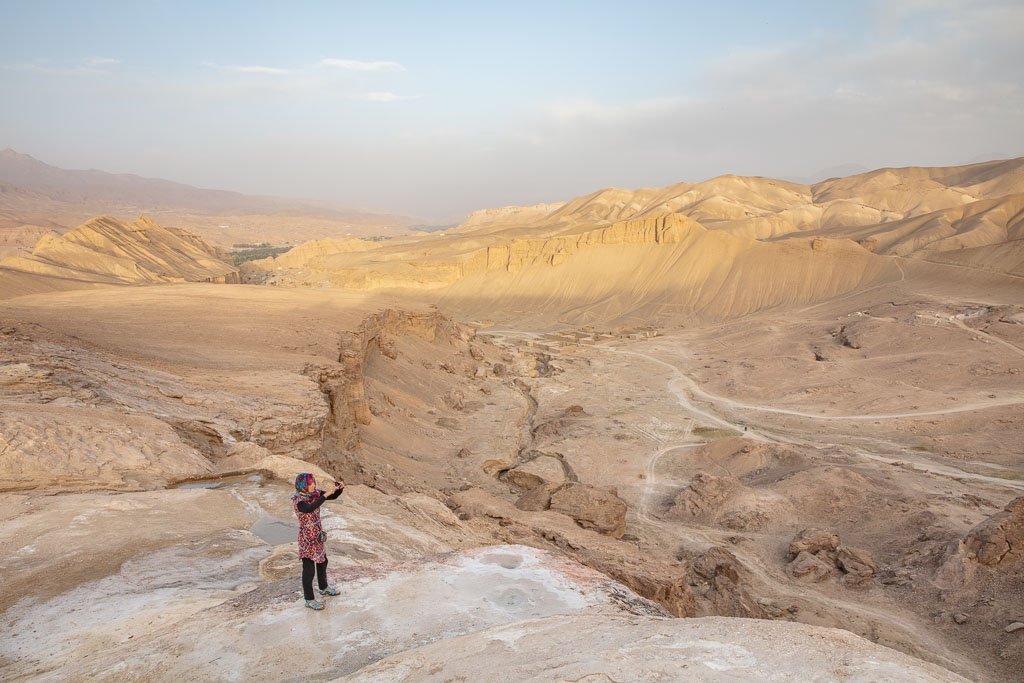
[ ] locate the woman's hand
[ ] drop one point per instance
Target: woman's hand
(339, 486)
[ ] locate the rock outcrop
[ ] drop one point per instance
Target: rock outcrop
(599, 509)
(655, 580)
(725, 501)
(813, 540)
(75, 417)
(721, 580)
(344, 384)
(857, 565)
(815, 554)
(990, 551)
(811, 567)
(1000, 538)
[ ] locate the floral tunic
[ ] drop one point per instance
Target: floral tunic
(310, 529)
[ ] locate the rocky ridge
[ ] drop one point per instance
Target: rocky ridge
(108, 251)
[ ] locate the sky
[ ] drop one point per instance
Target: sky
(435, 109)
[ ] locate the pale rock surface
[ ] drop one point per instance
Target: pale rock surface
(219, 625)
(86, 537)
(652, 578)
(70, 447)
(592, 647)
(246, 456)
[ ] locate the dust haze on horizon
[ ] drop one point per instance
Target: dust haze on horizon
(436, 111)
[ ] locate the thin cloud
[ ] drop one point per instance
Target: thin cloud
(388, 97)
(257, 69)
(91, 66)
(570, 111)
(357, 65)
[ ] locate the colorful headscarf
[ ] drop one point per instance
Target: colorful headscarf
(305, 485)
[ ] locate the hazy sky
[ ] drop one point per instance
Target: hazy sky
(438, 108)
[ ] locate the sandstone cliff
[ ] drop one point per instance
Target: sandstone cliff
(654, 264)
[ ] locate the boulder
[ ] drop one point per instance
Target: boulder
(547, 467)
(494, 467)
(454, 399)
(813, 540)
(525, 481)
(717, 561)
(999, 538)
(857, 565)
(535, 500)
(704, 496)
(599, 509)
(719, 574)
(809, 567)
(856, 561)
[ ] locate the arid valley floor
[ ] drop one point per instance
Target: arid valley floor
(642, 435)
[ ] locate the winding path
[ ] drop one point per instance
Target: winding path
(749, 431)
(714, 400)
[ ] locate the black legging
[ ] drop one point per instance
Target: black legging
(307, 576)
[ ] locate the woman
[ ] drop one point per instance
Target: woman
(306, 503)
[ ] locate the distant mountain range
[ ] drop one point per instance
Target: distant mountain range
(36, 194)
(72, 186)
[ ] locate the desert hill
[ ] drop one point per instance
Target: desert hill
(764, 207)
(19, 241)
(108, 251)
(987, 223)
(312, 252)
(915, 190)
(670, 263)
(716, 249)
(506, 217)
